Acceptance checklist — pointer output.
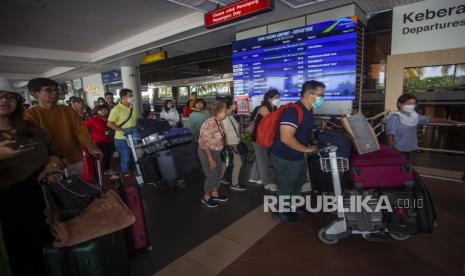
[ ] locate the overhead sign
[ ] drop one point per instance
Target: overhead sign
(113, 76)
(236, 11)
(162, 55)
(428, 26)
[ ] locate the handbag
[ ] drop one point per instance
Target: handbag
(226, 154)
(101, 217)
(69, 195)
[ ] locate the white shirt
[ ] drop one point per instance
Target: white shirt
(232, 136)
(172, 116)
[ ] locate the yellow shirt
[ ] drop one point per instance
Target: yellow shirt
(65, 129)
(118, 115)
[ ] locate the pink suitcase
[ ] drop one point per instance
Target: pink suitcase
(386, 168)
(138, 231)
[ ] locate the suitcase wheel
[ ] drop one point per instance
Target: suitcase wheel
(180, 184)
(325, 238)
(399, 236)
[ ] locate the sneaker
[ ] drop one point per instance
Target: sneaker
(220, 198)
(255, 181)
(238, 188)
(286, 218)
(224, 181)
(271, 187)
(209, 203)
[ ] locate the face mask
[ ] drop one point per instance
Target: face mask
(130, 100)
(409, 108)
(318, 103)
(275, 102)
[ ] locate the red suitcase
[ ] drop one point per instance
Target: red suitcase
(88, 168)
(386, 168)
(138, 236)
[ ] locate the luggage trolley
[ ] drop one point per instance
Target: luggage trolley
(139, 178)
(339, 227)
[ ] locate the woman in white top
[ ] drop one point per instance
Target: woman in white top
(233, 138)
(170, 113)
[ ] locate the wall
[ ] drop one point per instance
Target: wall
(397, 63)
(93, 88)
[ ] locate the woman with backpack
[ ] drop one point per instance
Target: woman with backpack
(401, 127)
(261, 172)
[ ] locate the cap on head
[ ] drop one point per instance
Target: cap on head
(6, 86)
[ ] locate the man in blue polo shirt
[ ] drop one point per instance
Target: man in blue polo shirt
(293, 141)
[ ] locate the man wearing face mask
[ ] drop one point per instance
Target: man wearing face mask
(123, 117)
(293, 141)
(401, 127)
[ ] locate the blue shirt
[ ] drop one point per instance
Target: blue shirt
(405, 137)
(303, 133)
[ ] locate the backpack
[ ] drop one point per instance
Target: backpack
(268, 126)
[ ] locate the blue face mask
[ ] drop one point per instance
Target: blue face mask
(319, 102)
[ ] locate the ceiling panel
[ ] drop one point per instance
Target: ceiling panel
(84, 25)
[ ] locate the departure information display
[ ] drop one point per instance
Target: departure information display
(326, 52)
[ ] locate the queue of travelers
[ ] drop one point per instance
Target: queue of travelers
(45, 138)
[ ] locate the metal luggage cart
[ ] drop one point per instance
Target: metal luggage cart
(338, 228)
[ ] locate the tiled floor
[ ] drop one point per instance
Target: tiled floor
(296, 250)
(177, 221)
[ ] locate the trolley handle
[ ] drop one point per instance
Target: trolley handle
(327, 149)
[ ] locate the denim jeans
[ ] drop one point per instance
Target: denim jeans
(125, 155)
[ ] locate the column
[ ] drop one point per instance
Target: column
(130, 78)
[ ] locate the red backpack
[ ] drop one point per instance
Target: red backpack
(268, 126)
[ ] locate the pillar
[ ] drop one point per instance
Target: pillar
(130, 78)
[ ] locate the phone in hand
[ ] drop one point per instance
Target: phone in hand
(27, 146)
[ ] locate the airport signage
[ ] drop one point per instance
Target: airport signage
(158, 56)
(237, 11)
(428, 26)
(113, 76)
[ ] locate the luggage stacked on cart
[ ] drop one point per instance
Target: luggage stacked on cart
(385, 169)
(169, 156)
(376, 171)
(105, 255)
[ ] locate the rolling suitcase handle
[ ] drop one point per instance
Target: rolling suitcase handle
(99, 172)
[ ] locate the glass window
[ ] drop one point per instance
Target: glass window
(165, 92)
(432, 78)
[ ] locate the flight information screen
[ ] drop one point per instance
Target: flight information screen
(326, 52)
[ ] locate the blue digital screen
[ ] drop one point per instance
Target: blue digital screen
(326, 52)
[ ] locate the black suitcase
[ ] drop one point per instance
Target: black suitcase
(149, 169)
(413, 209)
(178, 161)
(322, 182)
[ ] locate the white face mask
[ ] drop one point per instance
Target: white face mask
(409, 108)
(275, 102)
(130, 100)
